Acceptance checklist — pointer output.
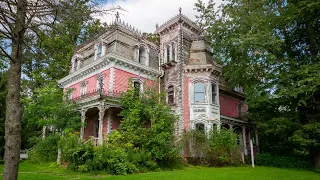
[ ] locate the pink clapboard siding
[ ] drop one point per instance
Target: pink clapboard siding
(91, 84)
(229, 106)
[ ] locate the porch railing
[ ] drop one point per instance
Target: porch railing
(101, 92)
(93, 140)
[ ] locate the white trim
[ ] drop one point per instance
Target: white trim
(111, 79)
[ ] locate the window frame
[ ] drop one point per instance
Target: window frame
(214, 93)
(99, 50)
(198, 92)
(170, 92)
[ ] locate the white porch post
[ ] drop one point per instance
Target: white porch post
(83, 118)
(244, 140)
(101, 115)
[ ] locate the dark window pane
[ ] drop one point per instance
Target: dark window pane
(200, 127)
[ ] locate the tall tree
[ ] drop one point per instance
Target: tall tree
(272, 49)
(21, 20)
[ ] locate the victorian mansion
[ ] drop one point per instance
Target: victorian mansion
(182, 62)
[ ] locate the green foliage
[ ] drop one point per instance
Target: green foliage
(45, 150)
(266, 159)
(148, 125)
(47, 108)
(144, 141)
(3, 94)
(86, 157)
(218, 148)
(271, 48)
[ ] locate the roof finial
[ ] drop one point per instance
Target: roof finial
(180, 10)
(117, 16)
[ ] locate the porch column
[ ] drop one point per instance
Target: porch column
(101, 115)
(244, 140)
(231, 127)
(83, 118)
(256, 133)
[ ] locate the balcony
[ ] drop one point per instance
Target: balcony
(97, 94)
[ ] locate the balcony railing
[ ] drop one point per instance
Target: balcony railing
(101, 92)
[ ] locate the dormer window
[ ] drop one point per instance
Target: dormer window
(99, 52)
(75, 64)
(171, 94)
(142, 55)
(199, 92)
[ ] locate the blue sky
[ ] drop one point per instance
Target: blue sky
(144, 14)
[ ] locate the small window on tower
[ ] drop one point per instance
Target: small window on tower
(171, 94)
(168, 53)
(214, 93)
(173, 51)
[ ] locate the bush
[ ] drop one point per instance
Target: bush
(45, 150)
(219, 149)
(87, 157)
(266, 159)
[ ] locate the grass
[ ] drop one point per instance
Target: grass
(29, 171)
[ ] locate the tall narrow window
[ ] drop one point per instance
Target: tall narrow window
(173, 51)
(137, 88)
(171, 94)
(142, 55)
(99, 53)
(200, 127)
(199, 92)
(83, 89)
(100, 84)
(168, 53)
(239, 109)
(214, 93)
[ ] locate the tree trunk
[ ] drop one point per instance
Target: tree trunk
(14, 108)
(315, 155)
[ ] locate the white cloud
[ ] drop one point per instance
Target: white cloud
(145, 14)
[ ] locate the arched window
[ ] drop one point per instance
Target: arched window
(213, 93)
(200, 127)
(173, 51)
(99, 53)
(171, 94)
(199, 92)
(143, 55)
(168, 53)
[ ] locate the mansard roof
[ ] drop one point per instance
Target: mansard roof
(120, 25)
(178, 18)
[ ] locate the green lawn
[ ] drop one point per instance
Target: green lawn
(33, 172)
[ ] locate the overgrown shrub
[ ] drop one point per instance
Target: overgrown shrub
(266, 159)
(213, 149)
(45, 150)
